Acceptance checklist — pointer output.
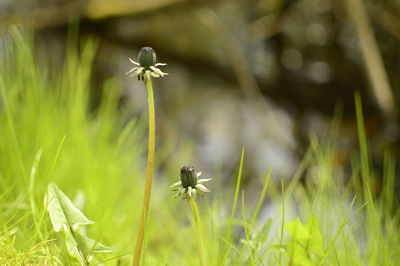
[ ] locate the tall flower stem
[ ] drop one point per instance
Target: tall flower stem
(199, 234)
(149, 173)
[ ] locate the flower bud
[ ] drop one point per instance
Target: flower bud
(147, 57)
(188, 177)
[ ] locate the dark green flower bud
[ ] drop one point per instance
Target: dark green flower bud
(147, 57)
(188, 177)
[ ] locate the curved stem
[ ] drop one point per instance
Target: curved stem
(199, 234)
(149, 174)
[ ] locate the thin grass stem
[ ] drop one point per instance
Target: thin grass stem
(259, 204)
(233, 211)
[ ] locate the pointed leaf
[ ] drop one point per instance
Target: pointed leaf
(62, 210)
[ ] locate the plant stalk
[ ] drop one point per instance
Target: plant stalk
(149, 174)
(199, 234)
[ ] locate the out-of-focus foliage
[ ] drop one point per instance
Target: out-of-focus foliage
(261, 73)
(52, 131)
(288, 63)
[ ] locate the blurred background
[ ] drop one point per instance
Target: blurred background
(264, 74)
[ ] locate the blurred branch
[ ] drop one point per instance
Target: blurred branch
(44, 17)
(372, 57)
(98, 9)
(388, 21)
(269, 25)
(55, 15)
(264, 28)
(234, 53)
(60, 14)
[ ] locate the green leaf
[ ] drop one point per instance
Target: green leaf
(62, 210)
(296, 248)
(72, 245)
(306, 245)
(88, 245)
(315, 242)
(298, 230)
(298, 255)
(69, 219)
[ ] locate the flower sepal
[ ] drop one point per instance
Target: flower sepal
(147, 66)
(189, 185)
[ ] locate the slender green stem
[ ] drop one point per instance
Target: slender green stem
(233, 211)
(149, 174)
(239, 178)
(258, 207)
(199, 234)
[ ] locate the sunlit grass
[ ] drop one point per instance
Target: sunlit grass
(50, 133)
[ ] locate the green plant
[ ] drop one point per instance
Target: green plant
(66, 217)
(50, 133)
(188, 187)
(306, 245)
(145, 69)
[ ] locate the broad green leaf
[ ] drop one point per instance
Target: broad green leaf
(306, 245)
(62, 210)
(315, 242)
(298, 230)
(69, 219)
(298, 255)
(295, 249)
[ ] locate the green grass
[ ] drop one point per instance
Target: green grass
(50, 133)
